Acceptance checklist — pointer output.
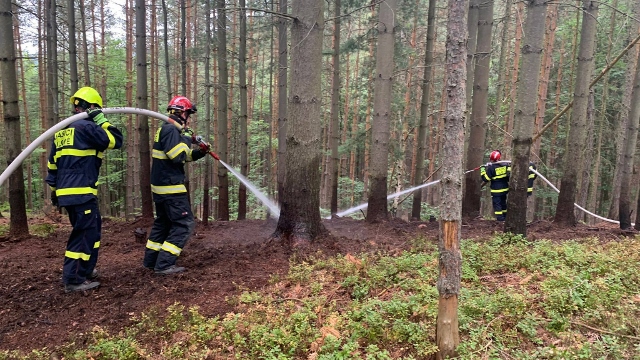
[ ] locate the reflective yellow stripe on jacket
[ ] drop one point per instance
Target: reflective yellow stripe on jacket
(77, 191)
(168, 189)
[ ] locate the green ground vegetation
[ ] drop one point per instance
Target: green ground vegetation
(520, 299)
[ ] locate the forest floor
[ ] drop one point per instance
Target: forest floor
(223, 260)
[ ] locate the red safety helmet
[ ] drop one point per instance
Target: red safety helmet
(495, 155)
(181, 103)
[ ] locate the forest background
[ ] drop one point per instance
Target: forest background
(60, 45)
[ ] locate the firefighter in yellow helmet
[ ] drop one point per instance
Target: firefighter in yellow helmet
(73, 168)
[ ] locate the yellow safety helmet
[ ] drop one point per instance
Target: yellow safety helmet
(87, 94)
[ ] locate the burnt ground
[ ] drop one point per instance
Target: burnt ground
(223, 259)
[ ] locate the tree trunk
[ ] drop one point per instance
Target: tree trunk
(51, 87)
(167, 67)
(472, 43)
(508, 124)
(478, 124)
(223, 79)
(142, 102)
(206, 199)
(586, 176)
(335, 109)
(450, 258)
(377, 209)
(85, 44)
(300, 214)
(621, 126)
(424, 111)
(565, 214)
(628, 152)
(524, 121)
(282, 98)
(242, 78)
(18, 226)
(504, 46)
(73, 47)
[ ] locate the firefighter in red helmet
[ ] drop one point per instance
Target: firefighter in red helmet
(174, 220)
(497, 173)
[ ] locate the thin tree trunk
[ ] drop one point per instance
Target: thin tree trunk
(478, 123)
(472, 43)
(621, 126)
(424, 111)
(142, 102)
(586, 176)
(242, 78)
(206, 200)
(377, 209)
(450, 259)
(565, 214)
(18, 226)
(85, 44)
(167, 65)
(73, 47)
(223, 79)
(335, 109)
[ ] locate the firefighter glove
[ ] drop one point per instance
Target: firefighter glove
(205, 147)
(188, 132)
(97, 116)
(54, 199)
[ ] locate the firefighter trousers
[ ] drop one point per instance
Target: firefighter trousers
(81, 255)
(500, 206)
(172, 228)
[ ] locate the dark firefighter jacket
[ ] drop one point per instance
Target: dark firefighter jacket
(75, 159)
(532, 176)
(170, 151)
(498, 174)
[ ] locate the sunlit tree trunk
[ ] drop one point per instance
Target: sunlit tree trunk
(300, 214)
(565, 214)
(377, 209)
(223, 79)
(18, 226)
(450, 258)
(424, 110)
(524, 121)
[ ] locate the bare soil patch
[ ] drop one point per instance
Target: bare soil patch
(223, 259)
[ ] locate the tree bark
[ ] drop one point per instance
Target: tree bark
(85, 44)
(450, 259)
(223, 79)
(424, 111)
(524, 121)
(380, 128)
(167, 67)
(300, 213)
(628, 152)
(504, 47)
(18, 226)
(142, 102)
(242, 78)
(73, 47)
(335, 109)
(565, 214)
(478, 123)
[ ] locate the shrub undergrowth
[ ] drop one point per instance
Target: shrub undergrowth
(519, 300)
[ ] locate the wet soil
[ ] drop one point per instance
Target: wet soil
(223, 259)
